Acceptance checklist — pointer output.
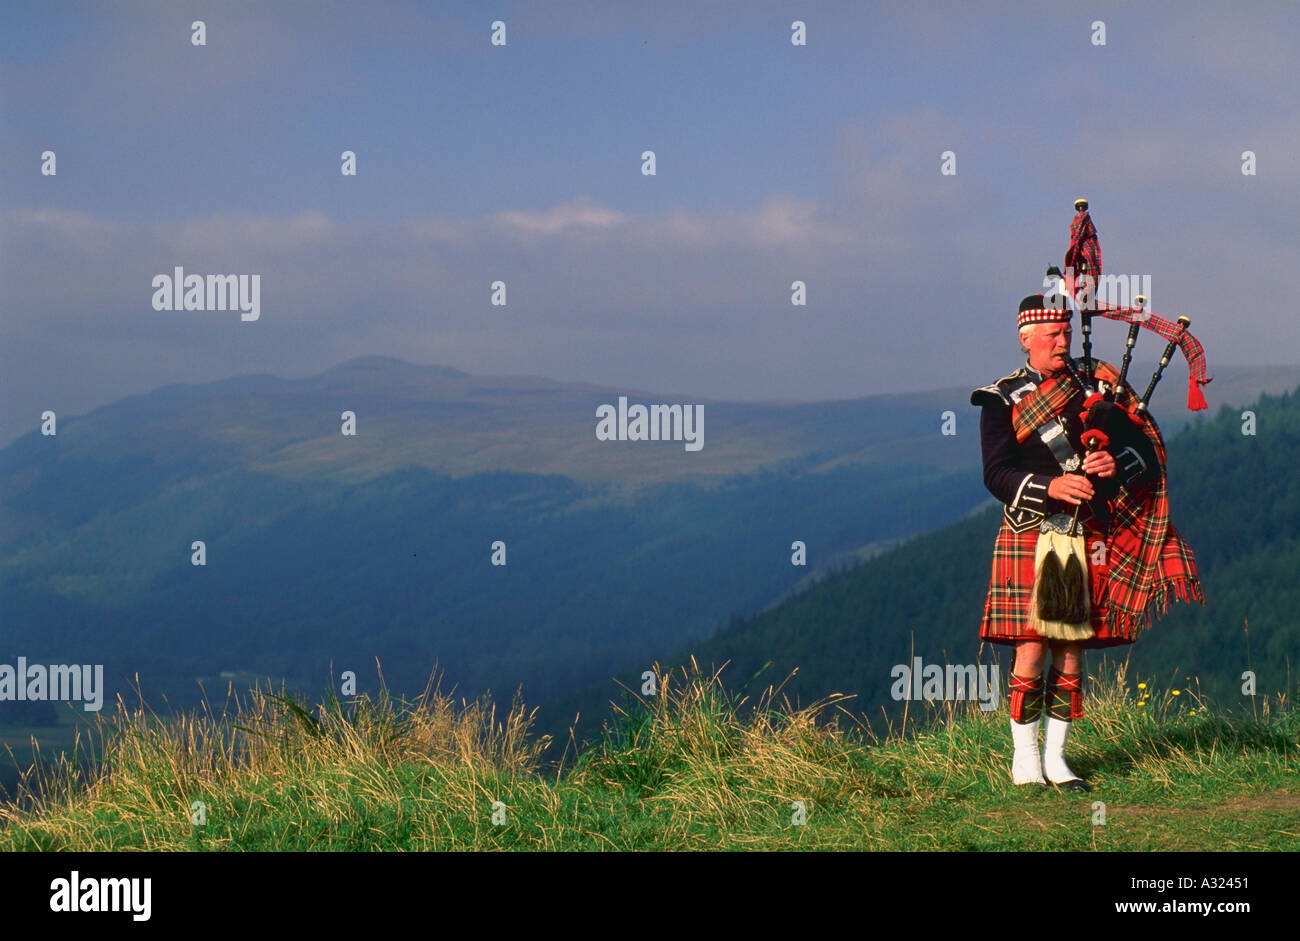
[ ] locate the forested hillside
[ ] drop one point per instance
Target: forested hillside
(1235, 497)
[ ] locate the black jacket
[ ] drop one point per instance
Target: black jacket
(1019, 474)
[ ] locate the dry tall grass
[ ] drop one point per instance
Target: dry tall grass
(260, 747)
(690, 767)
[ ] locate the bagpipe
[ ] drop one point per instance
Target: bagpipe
(1112, 416)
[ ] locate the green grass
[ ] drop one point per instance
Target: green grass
(694, 767)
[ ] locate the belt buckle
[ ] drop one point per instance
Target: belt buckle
(1056, 523)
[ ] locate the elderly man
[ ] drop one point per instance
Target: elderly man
(1035, 473)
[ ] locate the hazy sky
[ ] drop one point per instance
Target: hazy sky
(523, 163)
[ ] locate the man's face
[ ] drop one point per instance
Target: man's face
(1049, 345)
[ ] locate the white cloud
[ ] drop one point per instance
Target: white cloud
(581, 213)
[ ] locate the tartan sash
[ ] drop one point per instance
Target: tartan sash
(1150, 564)
(1040, 406)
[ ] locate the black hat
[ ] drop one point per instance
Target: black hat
(1032, 310)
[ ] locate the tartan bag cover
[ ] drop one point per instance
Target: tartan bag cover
(1149, 562)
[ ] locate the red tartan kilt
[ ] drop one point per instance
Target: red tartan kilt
(1011, 582)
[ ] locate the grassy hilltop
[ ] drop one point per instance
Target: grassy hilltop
(693, 767)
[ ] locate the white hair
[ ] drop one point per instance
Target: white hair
(1026, 329)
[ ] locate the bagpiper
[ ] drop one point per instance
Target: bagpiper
(1086, 553)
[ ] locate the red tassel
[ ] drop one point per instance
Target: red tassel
(1195, 399)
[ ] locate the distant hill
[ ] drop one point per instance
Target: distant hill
(331, 550)
(458, 424)
(326, 552)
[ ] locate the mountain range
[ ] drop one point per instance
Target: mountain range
(325, 552)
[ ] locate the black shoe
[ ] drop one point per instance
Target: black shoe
(1077, 785)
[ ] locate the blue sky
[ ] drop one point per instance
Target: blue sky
(522, 163)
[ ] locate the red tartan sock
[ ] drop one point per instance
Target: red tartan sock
(1064, 695)
(1026, 697)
